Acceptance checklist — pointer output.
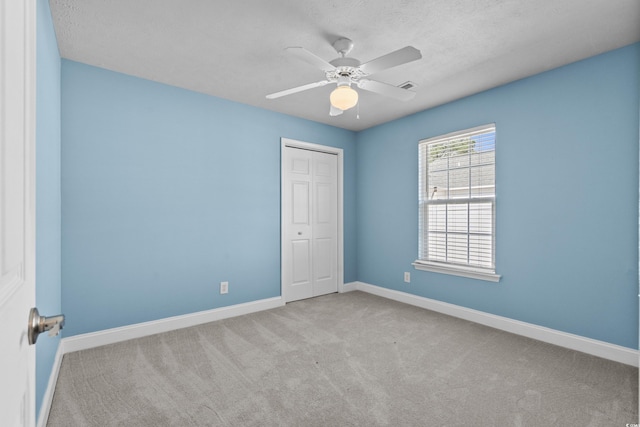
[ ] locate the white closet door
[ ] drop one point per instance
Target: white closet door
(310, 223)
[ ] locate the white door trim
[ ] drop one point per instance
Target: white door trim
(286, 142)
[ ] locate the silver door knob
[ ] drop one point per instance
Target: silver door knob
(39, 324)
(299, 233)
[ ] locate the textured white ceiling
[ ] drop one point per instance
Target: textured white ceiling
(234, 49)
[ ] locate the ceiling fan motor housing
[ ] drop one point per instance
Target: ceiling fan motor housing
(345, 67)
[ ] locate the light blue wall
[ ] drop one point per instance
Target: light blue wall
(48, 295)
(167, 192)
(566, 194)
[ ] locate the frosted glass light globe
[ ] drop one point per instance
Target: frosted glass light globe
(344, 97)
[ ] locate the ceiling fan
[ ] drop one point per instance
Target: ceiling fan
(345, 72)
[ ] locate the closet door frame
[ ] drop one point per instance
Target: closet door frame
(286, 142)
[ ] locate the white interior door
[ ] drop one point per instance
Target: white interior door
(310, 223)
(17, 194)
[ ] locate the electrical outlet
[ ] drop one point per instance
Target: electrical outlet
(407, 277)
(224, 287)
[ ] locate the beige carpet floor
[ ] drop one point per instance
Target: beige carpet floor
(341, 360)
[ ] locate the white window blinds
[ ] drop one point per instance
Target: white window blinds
(457, 199)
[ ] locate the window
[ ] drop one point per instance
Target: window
(457, 204)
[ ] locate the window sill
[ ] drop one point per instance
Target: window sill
(457, 271)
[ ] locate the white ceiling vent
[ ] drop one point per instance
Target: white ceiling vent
(407, 85)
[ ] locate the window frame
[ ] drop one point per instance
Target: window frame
(457, 269)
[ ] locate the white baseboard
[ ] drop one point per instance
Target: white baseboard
(139, 330)
(602, 349)
(348, 287)
(47, 399)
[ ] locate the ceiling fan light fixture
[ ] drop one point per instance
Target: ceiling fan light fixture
(345, 72)
(344, 97)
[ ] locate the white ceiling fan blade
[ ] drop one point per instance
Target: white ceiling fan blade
(297, 89)
(386, 90)
(310, 58)
(390, 60)
(333, 111)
